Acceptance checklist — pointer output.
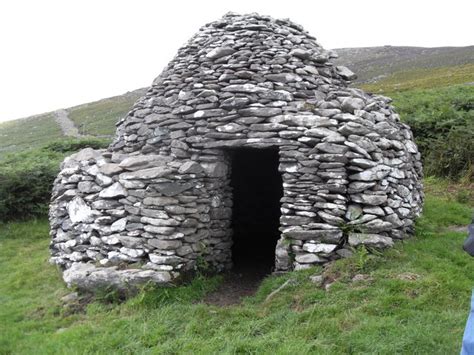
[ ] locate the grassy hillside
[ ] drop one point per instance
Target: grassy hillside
(95, 119)
(28, 133)
(413, 76)
(99, 118)
(422, 78)
(411, 299)
(375, 63)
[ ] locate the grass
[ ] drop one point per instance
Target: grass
(99, 118)
(416, 301)
(422, 78)
(376, 62)
(445, 189)
(28, 133)
(26, 178)
(92, 119)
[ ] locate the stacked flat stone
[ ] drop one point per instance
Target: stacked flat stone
(158, 201)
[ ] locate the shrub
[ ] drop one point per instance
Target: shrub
(442, 121)
(72, 145)
(25, 183)
(451, 155)
(26, 178)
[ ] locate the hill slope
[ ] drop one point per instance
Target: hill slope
(98, 118)
(380, 69)
(27, 133)
(375, 63)
(93, 119)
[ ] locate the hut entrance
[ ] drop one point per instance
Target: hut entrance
(257, 190)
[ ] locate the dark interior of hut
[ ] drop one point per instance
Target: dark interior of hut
(257, 189)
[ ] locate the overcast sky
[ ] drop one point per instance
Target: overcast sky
(57, 54)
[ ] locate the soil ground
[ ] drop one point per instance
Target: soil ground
(241, 281)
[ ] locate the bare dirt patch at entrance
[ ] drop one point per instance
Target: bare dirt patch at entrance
(242, 281)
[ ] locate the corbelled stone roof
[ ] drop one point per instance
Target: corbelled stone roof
(236, 69)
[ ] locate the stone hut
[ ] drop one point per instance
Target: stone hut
(250, 145)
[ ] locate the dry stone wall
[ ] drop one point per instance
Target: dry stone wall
(158, 202)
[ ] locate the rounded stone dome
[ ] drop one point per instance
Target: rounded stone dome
(163, 197)
(241, 71)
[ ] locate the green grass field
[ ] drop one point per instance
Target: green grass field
(423, 79)
(28, 133)
(95, 119)
(99, 118)
(416, 300)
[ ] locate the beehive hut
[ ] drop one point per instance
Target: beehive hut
(249, 146)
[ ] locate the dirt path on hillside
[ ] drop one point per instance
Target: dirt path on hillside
(66, 124)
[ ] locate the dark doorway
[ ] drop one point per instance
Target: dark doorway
(257, 190)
